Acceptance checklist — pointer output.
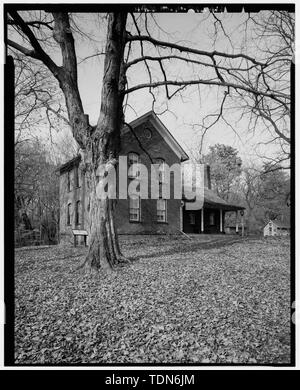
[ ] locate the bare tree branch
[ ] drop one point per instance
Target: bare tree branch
(145, 38)
(39, 53)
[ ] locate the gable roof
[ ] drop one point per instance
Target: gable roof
(279, 224)
(162, 130)
(69, 164)
(159, 126)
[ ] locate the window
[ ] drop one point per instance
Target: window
(78, 213)
(161, 170)
(161, 210)
(69, 214)
(192, 218)
(134, 208)
(212, 219)
(77, 173)
(133, 168)
(69, 181)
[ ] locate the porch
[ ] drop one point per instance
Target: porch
(210, 219)
(206, 221)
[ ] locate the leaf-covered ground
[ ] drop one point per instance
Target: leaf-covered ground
(178, 302)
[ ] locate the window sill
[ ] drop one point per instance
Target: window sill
(162, 222)
(135, 221)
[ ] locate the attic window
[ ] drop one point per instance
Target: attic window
(147, 133)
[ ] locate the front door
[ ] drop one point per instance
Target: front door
(212, 221)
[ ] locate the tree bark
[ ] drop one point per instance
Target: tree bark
(103, 147)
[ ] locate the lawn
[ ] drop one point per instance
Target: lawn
(178, 302)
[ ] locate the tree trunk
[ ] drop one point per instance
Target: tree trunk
(104, 250)
(103, 148)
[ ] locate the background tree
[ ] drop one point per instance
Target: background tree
(274, 192)
(225, 168)
(38, 100)
(249, 188)
(36, 191)
(265, 194)
(38, 104)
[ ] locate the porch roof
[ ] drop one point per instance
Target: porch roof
(212, 200)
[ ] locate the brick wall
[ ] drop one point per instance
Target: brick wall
(156, 148)
(71, 197)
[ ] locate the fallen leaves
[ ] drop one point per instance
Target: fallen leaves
(178, 303)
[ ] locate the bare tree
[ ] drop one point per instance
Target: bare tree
(272, 41)
(225, 168)
(236, 73)
(38, 100)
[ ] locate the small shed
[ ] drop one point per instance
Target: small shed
(276, 228)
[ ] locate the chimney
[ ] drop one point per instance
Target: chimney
(207, 182)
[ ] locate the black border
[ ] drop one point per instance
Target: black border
(202, 379)
(155, 7)
(9, 180)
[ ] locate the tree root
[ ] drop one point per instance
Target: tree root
(121, 261)
(124, 260)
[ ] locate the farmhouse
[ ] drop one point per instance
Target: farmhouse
(276, 228)
(146, 136)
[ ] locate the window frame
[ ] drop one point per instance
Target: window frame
(69, 187)
(69, 214)
(162, 211)
(76, 177)
(77, 212)
(129, 164)
(161, 171)
(139, 212)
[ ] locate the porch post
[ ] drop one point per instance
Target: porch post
(242, 225)
(202, 220)
(181, 218)
(236, 222)
(221, 220)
